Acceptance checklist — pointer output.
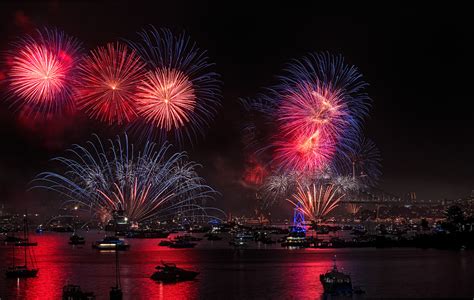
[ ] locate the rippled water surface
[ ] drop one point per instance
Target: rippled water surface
(262, 272)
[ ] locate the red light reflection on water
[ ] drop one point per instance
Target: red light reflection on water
(224, 272)
(48, 283)
(60, 264)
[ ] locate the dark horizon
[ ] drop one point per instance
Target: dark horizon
(416, 60)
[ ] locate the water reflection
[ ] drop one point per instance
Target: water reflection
(270, 272)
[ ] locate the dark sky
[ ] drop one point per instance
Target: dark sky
(417, 59)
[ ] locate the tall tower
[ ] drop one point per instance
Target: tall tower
(298, 218)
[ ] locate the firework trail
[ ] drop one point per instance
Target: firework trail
(148, 185)
(180, 94)
(41, 76)
(109, 77)
(275, 188)
(316, 201)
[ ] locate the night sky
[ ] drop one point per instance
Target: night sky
(417, 60)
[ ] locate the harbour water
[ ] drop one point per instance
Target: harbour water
(259, 272)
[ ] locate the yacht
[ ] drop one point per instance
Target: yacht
(168, 272)
(22, 271)
(337, 283)
(111, 243)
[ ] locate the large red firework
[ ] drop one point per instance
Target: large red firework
(311, 119)
(41, 72)
(109, 79)
(166, 99)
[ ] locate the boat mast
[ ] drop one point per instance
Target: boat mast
(25, 236)
(13, 248)
(117, 268)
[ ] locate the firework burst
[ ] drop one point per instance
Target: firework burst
(148, 185)
(180, 95)
(319, 112)
(166, 99)
(347, 184)
(310, 120)
(316, 201)
(312, 115)
(109, 78)
(362, 163)
(42, 69)
(353, 208)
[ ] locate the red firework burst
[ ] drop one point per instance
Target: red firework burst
(166, 99)
(311, 120)
(41, 74)
(109, 79)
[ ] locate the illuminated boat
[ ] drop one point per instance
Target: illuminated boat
(111, 243)
(168, 272)
(238, 242)
(148, 234)
(296, 238)
(336, 282)
(244, 235)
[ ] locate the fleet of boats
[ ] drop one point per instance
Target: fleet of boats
(334, 282)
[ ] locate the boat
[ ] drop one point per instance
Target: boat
(12, 239)
(296, 238)
(148, 233)
(244, 235)
(61, 228)
(165, 243)
(76, 240)
(336, 282)
(115, 292)
(111, 243)
(168, 272)
(74, 292)
(182, 244)
(238, 242)
(198, 229)
(22, 271)
(26, 243)
(187, 238)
